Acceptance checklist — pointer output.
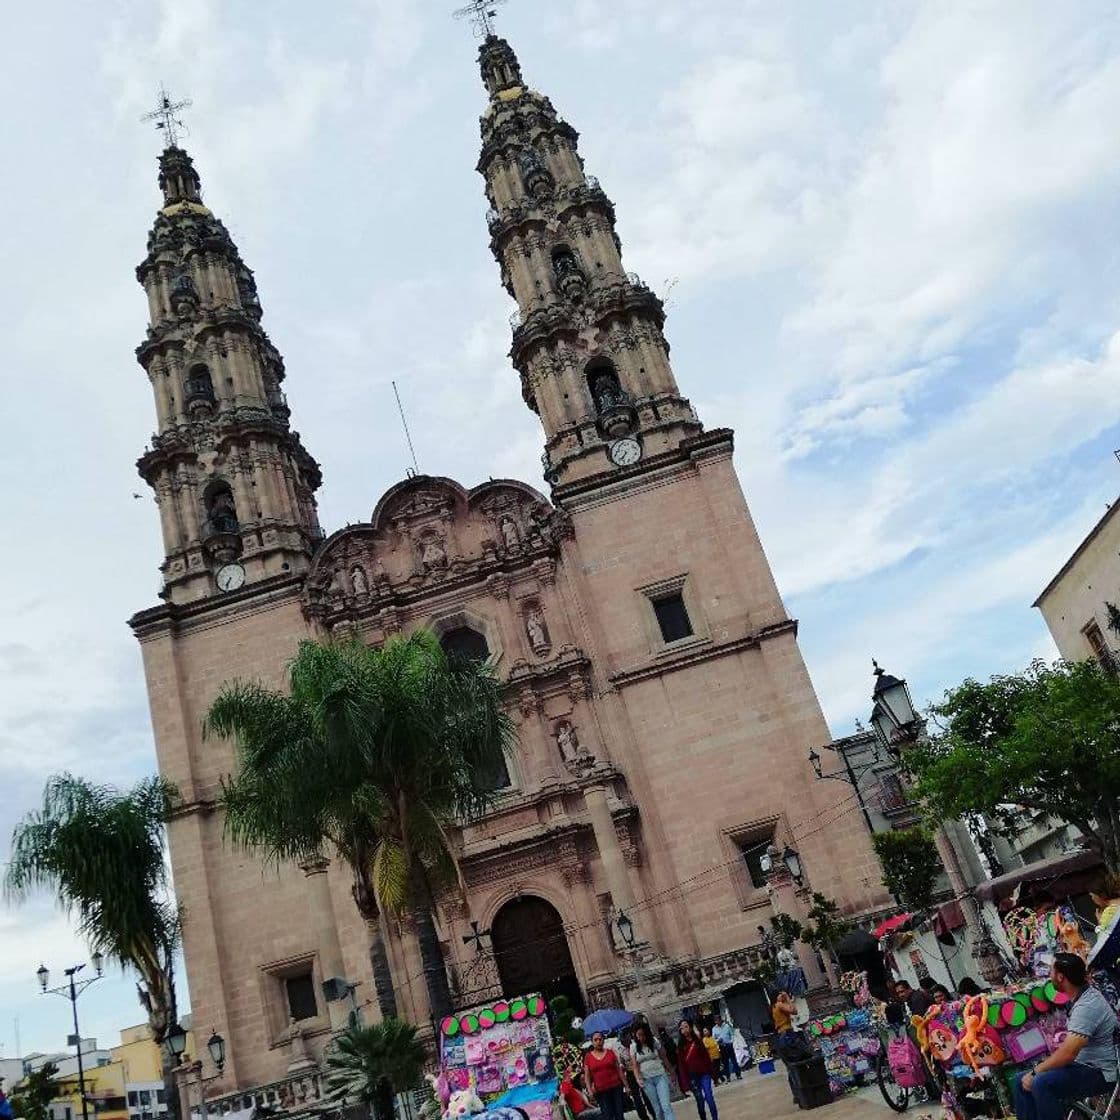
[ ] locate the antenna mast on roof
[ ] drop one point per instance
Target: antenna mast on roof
(481, 13)
(166, 118)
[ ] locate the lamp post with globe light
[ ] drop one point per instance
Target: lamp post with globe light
(71, 990)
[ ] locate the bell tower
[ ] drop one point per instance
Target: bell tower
(587, 335)
(234, 485)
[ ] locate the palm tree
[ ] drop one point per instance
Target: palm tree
(102, 853)
(374, 753)
(371, 1065)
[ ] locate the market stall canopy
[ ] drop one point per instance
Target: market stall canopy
(1053, 879)
(890, 925)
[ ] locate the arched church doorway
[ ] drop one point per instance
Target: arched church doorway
(531, 951)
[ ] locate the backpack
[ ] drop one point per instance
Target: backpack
(906, 1063)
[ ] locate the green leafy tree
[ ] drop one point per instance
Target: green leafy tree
(910, 863)
(1045, 739)
(563, 1014)
(370, 1065)
(787, 930)
(827, 927)
(102, 854)
(373, 754)
(33, 1095)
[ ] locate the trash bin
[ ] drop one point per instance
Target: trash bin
(810, 1082)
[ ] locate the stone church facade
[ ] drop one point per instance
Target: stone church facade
(664, 712)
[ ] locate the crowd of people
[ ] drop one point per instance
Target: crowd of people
(643, 1065)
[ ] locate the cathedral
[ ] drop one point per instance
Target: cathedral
(663, 709)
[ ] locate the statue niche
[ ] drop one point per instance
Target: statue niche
(511, 538)
(358, 580)
(536, 630)
(433, 552)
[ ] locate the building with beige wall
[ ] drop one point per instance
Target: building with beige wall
(663, 707)
(1074, 602)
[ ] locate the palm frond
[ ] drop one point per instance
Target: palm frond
(362, 1059)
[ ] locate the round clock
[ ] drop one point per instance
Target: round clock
(230, 577)
(625, 452)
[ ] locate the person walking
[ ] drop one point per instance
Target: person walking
(1085, 1063)
(711, 1044)
(604, 1078)
(694, 1068)
(651, 1069)
(724, 1034)
(621, 1046)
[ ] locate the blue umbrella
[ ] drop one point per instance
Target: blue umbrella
(608, 1020)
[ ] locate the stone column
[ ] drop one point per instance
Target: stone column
(610, 852)
(326, 935)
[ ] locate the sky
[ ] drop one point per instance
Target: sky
(886, 233)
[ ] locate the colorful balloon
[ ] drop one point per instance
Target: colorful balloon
(501, 1011)
(517, 1009)
(487, 1018)
(536, 1006)
(450, 1026)
(469, 1023)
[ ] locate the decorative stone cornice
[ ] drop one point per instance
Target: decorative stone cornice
(701, 652)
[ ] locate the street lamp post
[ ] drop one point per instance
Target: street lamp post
(626, 929)
(897, 726)
(216, 1047)
(71, 990)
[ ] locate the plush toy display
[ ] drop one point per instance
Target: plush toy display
(465, 1102)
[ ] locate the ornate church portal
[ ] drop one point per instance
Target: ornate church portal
(663, 710)
(531, 951)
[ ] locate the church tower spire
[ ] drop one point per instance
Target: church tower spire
(234, 486)
(587, 335)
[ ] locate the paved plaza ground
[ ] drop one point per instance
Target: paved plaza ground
(768, 1098)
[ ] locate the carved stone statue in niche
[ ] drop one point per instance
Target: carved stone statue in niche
(568, 742)
(433, 555)
(358, 580)
(537, 630)
(510, 537)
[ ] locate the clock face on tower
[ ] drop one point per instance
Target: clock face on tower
(230, 577)
(625, 452)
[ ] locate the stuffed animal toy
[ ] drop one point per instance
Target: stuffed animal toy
(466, 1102)
(440, 1088)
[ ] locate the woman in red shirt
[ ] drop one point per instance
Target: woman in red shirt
(604, 1077)
(694, 1068)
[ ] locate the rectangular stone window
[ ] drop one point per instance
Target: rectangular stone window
(300, 990)
(672, 617)
(753, 848)
(749, 842)
(1099, 646)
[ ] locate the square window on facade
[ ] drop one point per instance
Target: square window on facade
(300, 990)
(145, 1096)
(672, 617)
(133, 1098)
(161, 1096)
(753, 848)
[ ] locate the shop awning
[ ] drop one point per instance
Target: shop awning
(1055, 878)
(890, 925)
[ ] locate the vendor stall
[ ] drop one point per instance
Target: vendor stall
(501, 1053)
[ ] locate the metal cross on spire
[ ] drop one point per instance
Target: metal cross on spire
(165, 116)
(481, 13)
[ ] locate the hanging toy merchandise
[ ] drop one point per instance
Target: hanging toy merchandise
(499, 1056)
